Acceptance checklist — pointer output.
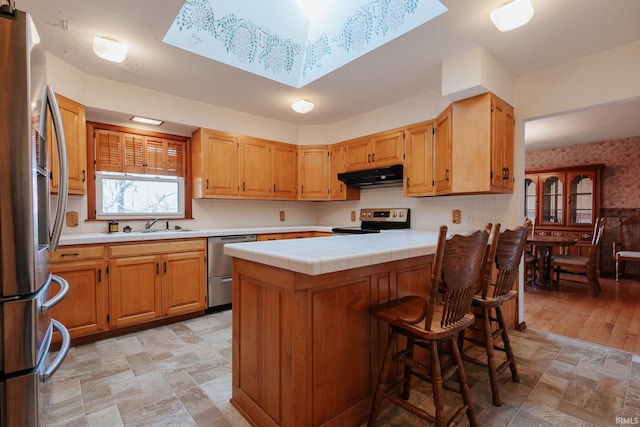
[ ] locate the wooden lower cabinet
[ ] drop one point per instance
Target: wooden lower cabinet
(84, 310)
(306, 351)
(118, 285)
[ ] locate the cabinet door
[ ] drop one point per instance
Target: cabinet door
(418, 165)
(219, 162)
(108, 150)
(386, 148)
(443, 153)
(135, 290)
(552, 196)
(313, 173)
(581, 200)
(155, 155)
(255, 168)
(285, 171)
(339, 191)
(502, 133)
(133, 153)
(84, 310)
(75, 132)
(531, 186)
(183, 283)
(357, 154)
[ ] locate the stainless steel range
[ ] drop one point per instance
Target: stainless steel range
(374, 220)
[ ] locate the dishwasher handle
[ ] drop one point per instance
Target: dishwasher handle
(233, 239)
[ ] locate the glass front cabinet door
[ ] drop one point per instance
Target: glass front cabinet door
(531, 197)
(552, 187)
(581, 200)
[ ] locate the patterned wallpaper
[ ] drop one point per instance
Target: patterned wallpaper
(620, 186)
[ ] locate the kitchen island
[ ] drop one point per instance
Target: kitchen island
(306, 352)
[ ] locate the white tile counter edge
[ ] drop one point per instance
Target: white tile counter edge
(323, 255)
(88, 238)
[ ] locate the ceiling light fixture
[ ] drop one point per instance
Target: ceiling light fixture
(146, 120)
(109, 49)
(512, 15)
(302, 106)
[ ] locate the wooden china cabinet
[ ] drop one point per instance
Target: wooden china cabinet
(564, 202)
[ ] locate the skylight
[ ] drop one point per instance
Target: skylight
(275, 39)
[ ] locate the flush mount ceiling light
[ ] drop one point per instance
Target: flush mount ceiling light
(302, 106)
(109, 49)
(512, 15)
(146, 120)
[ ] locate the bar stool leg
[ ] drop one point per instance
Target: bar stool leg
(507, 346)
(464, 387)
(436, 376)
(407, 369)
(382, 379)
(491, 362)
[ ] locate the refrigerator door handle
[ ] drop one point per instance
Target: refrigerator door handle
(64, 288)
(63, 169)
(62, 353)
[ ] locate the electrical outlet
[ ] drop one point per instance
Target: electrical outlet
(281, 215)
(353, 216)
(456, 216)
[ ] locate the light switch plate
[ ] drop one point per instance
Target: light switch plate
(353, 216)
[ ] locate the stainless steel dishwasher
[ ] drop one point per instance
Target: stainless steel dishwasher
(219, 269)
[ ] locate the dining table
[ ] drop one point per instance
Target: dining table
(544, 245)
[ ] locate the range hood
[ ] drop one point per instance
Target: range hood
(380, 176)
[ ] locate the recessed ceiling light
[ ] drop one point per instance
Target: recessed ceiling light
(109, 49)
(146, 120)
(302, 106)
(512, 15)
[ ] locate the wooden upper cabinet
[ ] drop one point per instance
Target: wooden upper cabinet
(339, 191)
(442, 147)
(373, 151)
(419, 162)
(108, 151)
(313, 172)
(75, 131)
(284, 161)
(215, 164)
(482, 145)
(132, 153)
(255, 168)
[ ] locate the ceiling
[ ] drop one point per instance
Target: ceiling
(404, 68)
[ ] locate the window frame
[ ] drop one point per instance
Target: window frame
(91, 165)
(100, 214)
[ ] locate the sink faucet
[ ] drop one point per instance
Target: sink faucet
(150, 222)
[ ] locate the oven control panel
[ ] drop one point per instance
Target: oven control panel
(385, 215)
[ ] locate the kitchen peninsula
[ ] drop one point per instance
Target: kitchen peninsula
(306, 352)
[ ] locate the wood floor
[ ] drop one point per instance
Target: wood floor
(611, 319)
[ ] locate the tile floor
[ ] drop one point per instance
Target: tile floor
(180, 375)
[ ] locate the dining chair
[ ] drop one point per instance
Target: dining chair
(582, 264)
(628, 248)
(433, 323)
(506, 252)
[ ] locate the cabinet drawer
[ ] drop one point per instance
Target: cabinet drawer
(582, 236)
(159, 247)
(77, 253)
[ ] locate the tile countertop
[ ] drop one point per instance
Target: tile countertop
(322, 255)
(87, 238)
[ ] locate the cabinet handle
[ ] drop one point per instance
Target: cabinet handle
(99, 275)
(407, 181)
(242, 186)
(165, 266)
(373, 158)
(508, 173)
(341, 188)
(84, 175)
(274, 188)
(207, 186)
(368, 158)
(157, 268)
(303, 189)
(70, 254)
(447, 174)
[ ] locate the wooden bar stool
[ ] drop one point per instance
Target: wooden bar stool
(507, 254)
(431, 322)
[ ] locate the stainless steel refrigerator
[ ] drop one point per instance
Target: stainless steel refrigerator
(28, 290)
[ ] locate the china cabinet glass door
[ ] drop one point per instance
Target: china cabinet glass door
(531, 197)
(552, 199)
(581, 198)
